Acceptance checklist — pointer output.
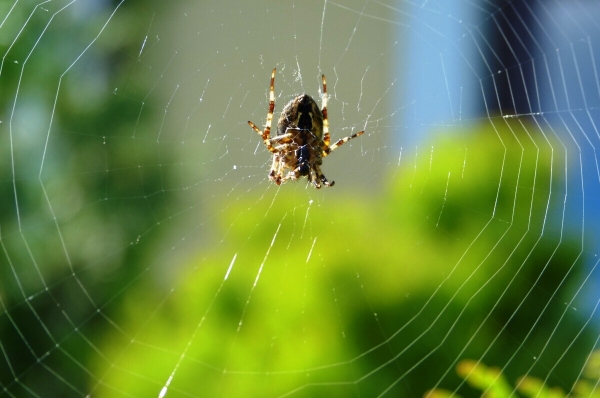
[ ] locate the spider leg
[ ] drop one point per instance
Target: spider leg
(266, 133)
(340, 142)
(267, 141)
(326, 136)
(318, 177)
(280, 141)
(279, 168)
(275, 173)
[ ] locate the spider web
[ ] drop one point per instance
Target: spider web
(145, 253)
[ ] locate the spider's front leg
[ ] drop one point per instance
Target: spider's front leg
(326, 136)
(328, 149)
(266, 133)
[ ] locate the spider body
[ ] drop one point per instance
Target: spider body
(302, 139)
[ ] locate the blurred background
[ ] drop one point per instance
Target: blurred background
(144, 252)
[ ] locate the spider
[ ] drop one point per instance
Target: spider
(302, 139)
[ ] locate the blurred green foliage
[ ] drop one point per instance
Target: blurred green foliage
(74, 185)
(361, 294)
(494, 385)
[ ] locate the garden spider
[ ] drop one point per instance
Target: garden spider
(302, 139)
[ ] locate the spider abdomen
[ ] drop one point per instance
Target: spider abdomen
(301, 113)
